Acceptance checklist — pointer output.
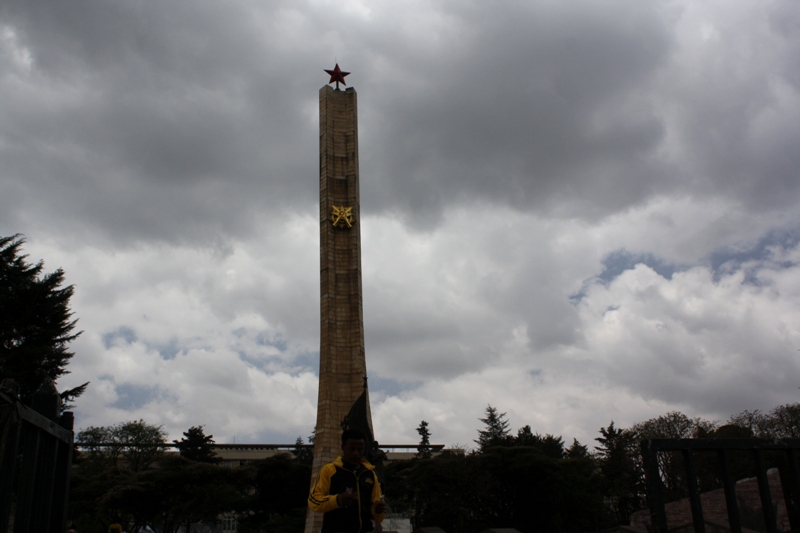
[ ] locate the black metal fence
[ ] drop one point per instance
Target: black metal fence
(35, 460)
(782, 451)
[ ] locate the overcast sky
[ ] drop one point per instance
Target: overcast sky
(576, 212)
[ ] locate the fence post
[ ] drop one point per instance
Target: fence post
(655, 496)
(9, 445)
(61, 482)
(42, 437)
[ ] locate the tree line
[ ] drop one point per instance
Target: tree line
(522, 480)
(533, 482)
(123, 472)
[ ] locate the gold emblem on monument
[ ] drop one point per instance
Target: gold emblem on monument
(342, 216)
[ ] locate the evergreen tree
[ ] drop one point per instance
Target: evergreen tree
(525, 437)
(577, 451)
(303, 454)
(424, 448)
(623, 481)
(197, 446)
(35, 322)
(551, 445)
(496, 432)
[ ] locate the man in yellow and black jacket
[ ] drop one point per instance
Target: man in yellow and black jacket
(347, 490)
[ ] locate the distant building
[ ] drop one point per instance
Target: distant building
(237, 455)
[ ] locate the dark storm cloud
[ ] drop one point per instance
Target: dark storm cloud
(154, 122)
(183, 121)
(528, 107)
(584, 109)
(179, 109)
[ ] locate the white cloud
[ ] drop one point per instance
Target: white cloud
(517, 162)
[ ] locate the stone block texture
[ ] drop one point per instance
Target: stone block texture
(342, 365)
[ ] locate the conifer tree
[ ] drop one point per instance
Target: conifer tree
(622, 481)
(302, 453)
(197, 446)
(496, 432)
(577, 450)
(424, 449)
(36, 323)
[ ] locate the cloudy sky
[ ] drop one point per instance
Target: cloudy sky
(576, 212)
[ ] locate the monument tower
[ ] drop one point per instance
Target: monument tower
(342, 364)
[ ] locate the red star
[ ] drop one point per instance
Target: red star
(337, 75)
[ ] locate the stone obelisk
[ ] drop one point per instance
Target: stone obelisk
(342, 363)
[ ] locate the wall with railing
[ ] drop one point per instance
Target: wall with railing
(35, 459)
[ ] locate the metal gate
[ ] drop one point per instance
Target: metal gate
(35, 459)
(786, 449)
